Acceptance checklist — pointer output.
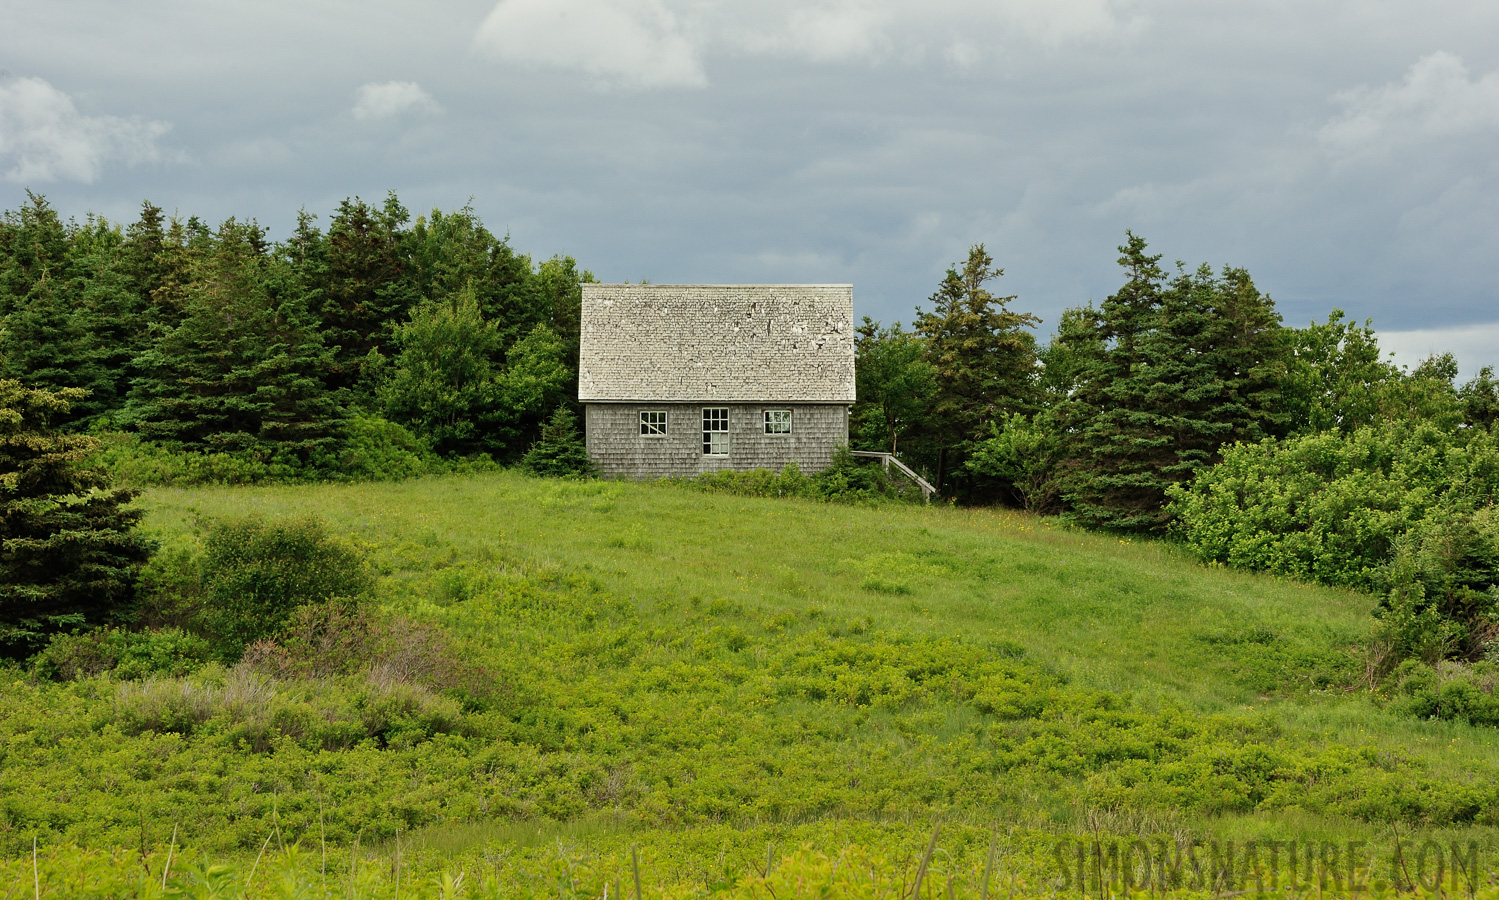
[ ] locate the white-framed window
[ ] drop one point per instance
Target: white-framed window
(778, 421)
(715, 431)
(653, 422)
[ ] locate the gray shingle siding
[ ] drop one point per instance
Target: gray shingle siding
(619, 449)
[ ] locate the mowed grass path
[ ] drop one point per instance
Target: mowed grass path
(1138, 617)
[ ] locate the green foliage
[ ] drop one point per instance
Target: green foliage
(69, 552)
(255, 574)
(376, 449)
(982, 356)
(1023, 452)
(894, 385)
(560, 453)
(1457, 693)
(242, 372)
(1405, 510)
(846, 480)
(445, 381)
(1163, 375)
(126, 654)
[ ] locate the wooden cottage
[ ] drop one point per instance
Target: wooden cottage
(686, 379)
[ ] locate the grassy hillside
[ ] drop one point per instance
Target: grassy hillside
(711, 676)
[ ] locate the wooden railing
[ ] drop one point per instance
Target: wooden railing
(888, 460)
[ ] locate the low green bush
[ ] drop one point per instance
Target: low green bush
(846, 480)
(256, 574)
(126, 654)
(1449, 691)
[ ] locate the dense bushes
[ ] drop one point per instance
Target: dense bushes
(1406, 510)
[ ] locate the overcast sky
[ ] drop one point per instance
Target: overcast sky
(1345, 152)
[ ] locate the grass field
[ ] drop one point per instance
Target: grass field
(713, 677)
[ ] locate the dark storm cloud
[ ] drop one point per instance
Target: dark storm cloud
(1343, 153)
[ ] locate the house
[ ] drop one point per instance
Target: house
(686, 379)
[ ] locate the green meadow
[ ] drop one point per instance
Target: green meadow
(576, 669)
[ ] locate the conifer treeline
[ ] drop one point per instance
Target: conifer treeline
(1130, 397)
(218, 340)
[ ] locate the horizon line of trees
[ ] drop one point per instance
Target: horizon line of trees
(219, 341)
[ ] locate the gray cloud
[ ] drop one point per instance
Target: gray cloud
(1340, 152)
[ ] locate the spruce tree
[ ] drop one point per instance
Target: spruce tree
(560, 451)
(982, 356)
(46, 342)
(1162, 376)
(359, 280)
(243, 369)
(69, 554)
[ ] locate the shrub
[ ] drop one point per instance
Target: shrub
(377, 449)
(1404, 510)
(846, 480)
(128, 654)
(257, 573)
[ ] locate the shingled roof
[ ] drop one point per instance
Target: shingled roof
(775, 343)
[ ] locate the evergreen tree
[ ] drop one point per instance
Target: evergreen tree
(47, 343)
(982, 355)
(360, 281)
(33, 247)
(69, 555)
(560, 451)
(454, 252)
(243, 369)
(1163, 375)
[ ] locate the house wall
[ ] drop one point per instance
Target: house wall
(620, 451)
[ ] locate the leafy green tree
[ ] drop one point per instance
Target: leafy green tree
(444, 382)
(69, 552)
(1480, 400)
(539, 375)
(1337, 377)
(982, 356)
(560, 451)
(895, 384)
(242, 371)
(1023, 452)
(1164, 375)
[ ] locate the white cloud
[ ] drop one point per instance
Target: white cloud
(1057, 22)
(841, 33)
(621, 43)
(1436, 100)
(390, 99)
(43, 136)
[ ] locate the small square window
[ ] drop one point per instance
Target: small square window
(653, 422)
(716, 432)
(778, 421)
